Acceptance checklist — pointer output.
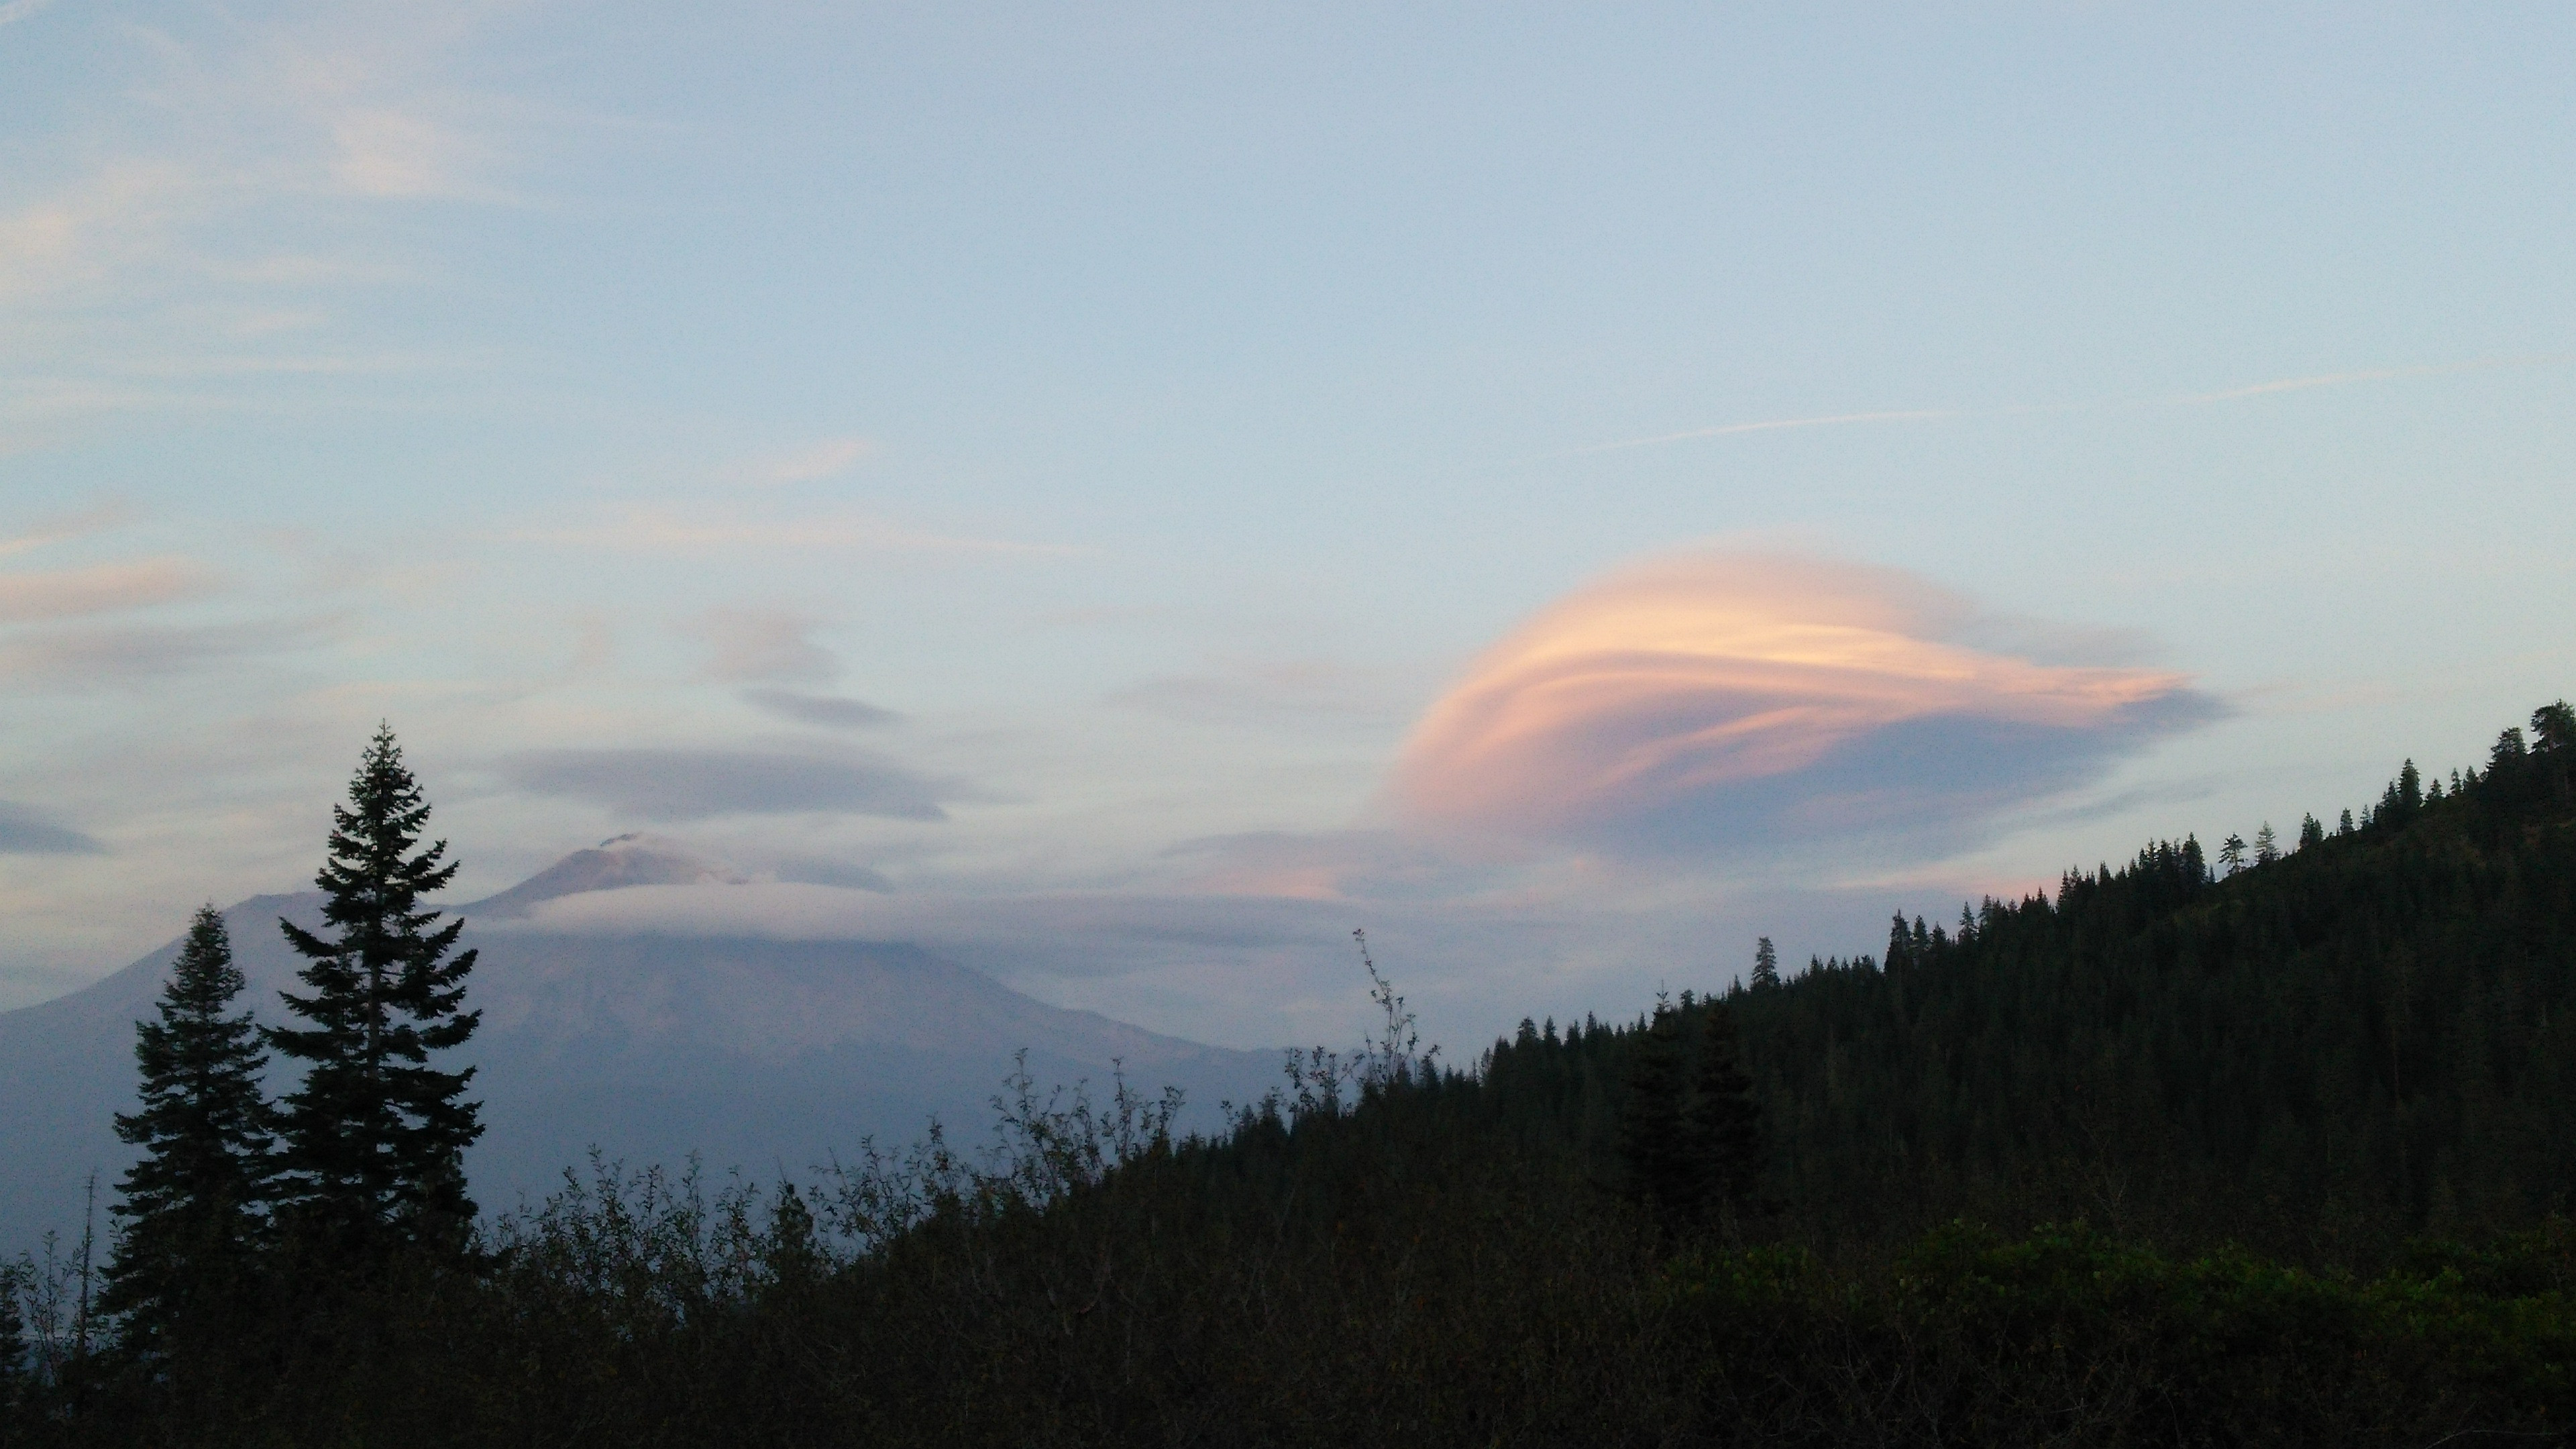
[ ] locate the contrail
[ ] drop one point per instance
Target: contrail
(1729, 429)
(2377, 374)
(2194, 399)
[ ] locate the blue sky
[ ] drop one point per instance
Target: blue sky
(1048, 483)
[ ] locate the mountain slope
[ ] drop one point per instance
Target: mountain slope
(2372, 1036)
(757, 1054)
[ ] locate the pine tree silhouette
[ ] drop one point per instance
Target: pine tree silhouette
(13, 1352)
(1658, 1170)
(1766, 963)
(375, 1136)
(2553, 741)
(189, 1214)
(1722, 1126)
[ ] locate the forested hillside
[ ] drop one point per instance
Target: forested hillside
(2324, 1046)
(2265, 1144)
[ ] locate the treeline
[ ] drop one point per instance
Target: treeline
(2320, 1052)
(2270, 1147)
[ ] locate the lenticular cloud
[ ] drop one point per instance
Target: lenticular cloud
(1714, 700)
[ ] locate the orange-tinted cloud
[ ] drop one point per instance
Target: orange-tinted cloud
(1717, 699)
(103, 589)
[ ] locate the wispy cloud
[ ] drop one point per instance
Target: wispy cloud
(804, 465)
(64, 527)
(17, 10)
(107, 588)
(664, 529)
(386, 152)
(1263, 693)
(101, 656)
(1343, 865)
(228, 188)
(106, 231)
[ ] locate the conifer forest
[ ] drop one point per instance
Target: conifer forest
(2266, 1142)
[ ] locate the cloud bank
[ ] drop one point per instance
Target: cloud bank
(829, 711)
(687, 784)
(1725, 703)
(30, 832)
(753, 644)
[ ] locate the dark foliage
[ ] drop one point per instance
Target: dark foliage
(1655, 1167)
(1722, 1123)
(13, 1350)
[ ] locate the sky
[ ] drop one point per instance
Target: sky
(1126, 495)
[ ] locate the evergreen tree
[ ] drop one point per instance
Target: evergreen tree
(13, 1349)
(2553, 727)
(2509, 749)
(2231, 852)
(1723, 1124)
(2553, 741)
(2404, 796)
(2267, 846)
(190, 1210)
(1766, 963)
(1656, 1162)
(2311, 832)
(375, 1137)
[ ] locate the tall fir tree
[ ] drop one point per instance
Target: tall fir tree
(2553, 727)
(1900, 945)
(2404, 796)
(2553, 740)
(13, 1349)
(1653, 1156)
(2267, 846)
(190, 1210)
(375, 1136)
(1722, 1124)
(1766, 963)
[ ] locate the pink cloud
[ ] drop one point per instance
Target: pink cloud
(103, 589)
(1702, 696)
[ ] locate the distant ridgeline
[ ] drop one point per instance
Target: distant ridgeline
(2368, 1034)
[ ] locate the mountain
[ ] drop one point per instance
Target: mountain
(756, 1054)
(633, 859)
